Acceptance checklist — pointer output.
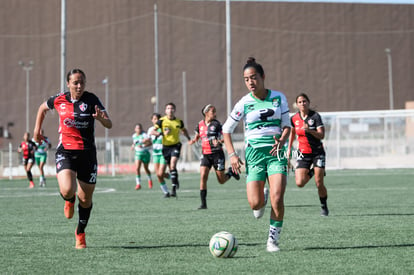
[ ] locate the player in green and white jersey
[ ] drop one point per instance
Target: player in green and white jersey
(265, 114)
(141, 144)
(41, 157)
(157, 156)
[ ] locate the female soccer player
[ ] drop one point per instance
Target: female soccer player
(41, 156)
(141, 144)
(27, 148)
(157, 157)
(210, 133)
(308, 126)
(266, 118)
(76, 162)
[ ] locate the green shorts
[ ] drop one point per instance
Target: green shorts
(143, 156)
(158, 159)
(40, 158)
(260, 163)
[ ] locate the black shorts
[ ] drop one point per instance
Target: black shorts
(83, 162)
(306, 160)
(171, 151)
(28, 160)
(215, 159)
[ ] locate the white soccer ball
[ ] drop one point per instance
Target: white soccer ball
(223, 245)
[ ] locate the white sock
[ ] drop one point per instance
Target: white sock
(164, 188)
(138, 180)
(274, 233)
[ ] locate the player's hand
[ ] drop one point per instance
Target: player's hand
(99, 115)
(277, 147)
(236, 164)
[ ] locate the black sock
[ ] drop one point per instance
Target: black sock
(203, 196)
(29, 175)
(323, 201)
(174, 177)
(72, 200)
(84, 214)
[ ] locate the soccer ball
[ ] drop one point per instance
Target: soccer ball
(223, 245)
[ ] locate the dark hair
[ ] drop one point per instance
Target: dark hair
(75, 71)
(156, 114)
(206, 108)
(139, 124)
(251, 62)
(171, 104)
(302, 95)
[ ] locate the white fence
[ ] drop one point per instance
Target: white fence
(353, 140)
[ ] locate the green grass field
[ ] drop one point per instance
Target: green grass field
(369, 230)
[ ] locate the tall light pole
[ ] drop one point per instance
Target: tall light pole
(390, 86)
(27, 68)
(107, 146)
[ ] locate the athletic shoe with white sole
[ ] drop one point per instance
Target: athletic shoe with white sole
(272, 245)
(259, 213)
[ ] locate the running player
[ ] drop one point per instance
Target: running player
(171, 128)
(266, 118)
(141, 144)
(308, 126)
(41, 156)
(76, 162)
(27, 149)
(209, 131)
(157, 157)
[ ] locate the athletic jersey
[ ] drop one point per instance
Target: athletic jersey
(263, 119)
(307, 143)
(139, 142)
(171, 129)
(156, 141)
(28, 148)
(208, 133)
(76, 123)
(42, 147)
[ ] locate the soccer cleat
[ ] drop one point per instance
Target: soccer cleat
(150, 184)
(202, 207)
(259, 213)
(232, 174)
(272, 245)
(138, 186)
(80, 240)
(166, 195)
(31, 184)
(69, 209)
(324, 211)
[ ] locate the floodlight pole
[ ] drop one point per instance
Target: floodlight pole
(390, 84)
(27, 68)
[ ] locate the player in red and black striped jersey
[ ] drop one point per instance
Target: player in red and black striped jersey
(308, 126)
(76, 162)
(27, 148)
(209, 131)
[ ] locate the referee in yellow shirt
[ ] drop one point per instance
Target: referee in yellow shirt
(170, 130)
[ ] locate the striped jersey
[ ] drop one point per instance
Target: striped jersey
(263, 119)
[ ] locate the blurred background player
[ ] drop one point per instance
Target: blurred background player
(141, 144)
(267, 127)
(308, 126)
(157, 157)
(76, 160)
(27, 149)
(170, 130)
(41, 157)
(210, 132)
